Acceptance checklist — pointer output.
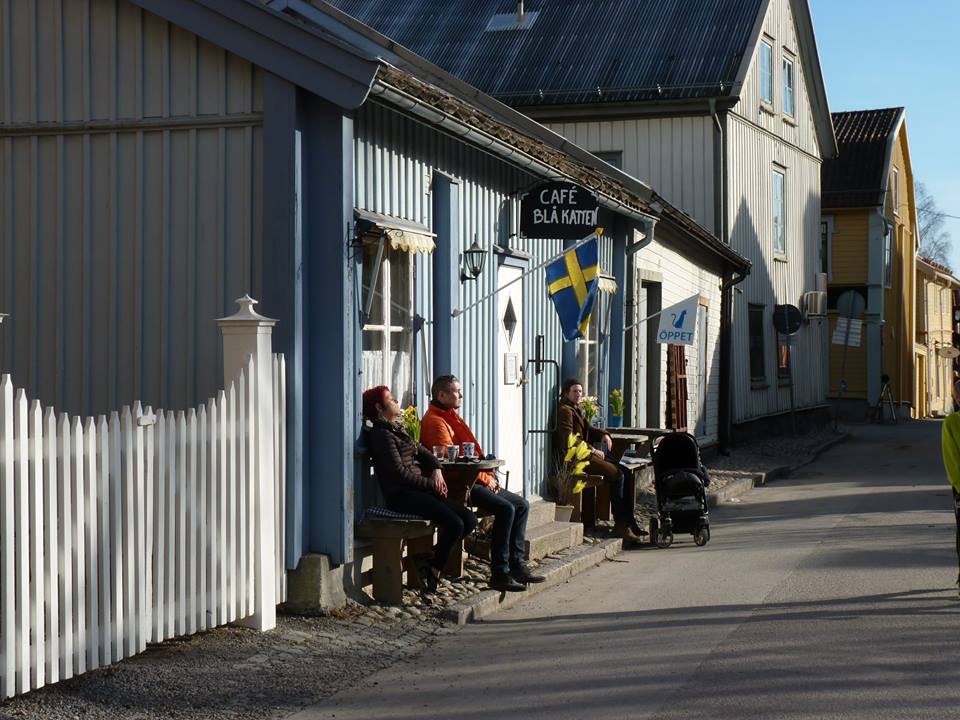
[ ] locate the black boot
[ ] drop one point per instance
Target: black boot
(504, 583)
(523, 574)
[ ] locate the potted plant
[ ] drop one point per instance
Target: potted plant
(616, 409)
(409, 420)
(569, 476)
(588, 403)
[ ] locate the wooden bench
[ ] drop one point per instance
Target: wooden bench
(388, 538)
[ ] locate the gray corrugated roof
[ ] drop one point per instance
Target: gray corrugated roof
(576, 50)
(857, 176)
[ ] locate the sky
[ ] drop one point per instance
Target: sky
(881, 53)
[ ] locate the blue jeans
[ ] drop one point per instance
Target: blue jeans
(509, 526)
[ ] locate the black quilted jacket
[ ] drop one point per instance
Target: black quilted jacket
(398, 462)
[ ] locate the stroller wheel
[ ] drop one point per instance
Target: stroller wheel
(702, 536)
(665, 539)
(654, 530)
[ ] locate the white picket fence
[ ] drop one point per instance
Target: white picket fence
(122, 531)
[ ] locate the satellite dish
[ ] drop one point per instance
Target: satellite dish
(949, 352)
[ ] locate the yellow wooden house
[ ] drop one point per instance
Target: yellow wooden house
(869, 245)
(934, 347)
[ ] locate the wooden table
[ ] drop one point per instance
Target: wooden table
(460, 483)
(459, 486)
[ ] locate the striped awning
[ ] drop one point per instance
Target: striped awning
(404, 235)
(608, 284)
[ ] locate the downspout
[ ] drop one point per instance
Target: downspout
(719, 176)
(726, 381)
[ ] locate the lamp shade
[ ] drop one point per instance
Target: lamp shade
(473, 259)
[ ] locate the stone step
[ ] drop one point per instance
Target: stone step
(556, 570)
(541, 513)
(540, 541)
(552, 538)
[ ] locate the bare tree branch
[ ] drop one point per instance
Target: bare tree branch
(935, 242)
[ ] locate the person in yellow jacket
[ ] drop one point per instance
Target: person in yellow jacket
(950, 444)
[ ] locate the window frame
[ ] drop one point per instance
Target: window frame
(613, 158)
(895, 194)
(888, 255)
(386, 329)
(766, 83)
(826, 231)
(755, 310)
(789, 71)
(591, 346)
(779, 214)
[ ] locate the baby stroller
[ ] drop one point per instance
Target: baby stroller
(680, 480)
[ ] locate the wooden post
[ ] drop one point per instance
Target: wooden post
(246, 336)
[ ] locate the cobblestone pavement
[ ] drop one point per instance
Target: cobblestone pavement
(777, 452)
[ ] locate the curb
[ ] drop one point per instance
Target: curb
(737, 488)
(488, 602)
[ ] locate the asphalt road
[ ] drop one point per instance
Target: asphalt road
(827, 595)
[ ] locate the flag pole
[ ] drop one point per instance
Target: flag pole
(643, 320)
(457, 312)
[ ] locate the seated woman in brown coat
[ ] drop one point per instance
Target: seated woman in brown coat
(410, 478)
(572, 421)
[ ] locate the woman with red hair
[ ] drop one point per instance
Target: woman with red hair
(411, 480)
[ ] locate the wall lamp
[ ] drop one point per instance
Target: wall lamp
(473, 259)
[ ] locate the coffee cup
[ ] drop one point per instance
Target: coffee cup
(452, 452)
(469, 450)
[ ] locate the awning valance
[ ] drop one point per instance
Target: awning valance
(608, 284)
(404, 235)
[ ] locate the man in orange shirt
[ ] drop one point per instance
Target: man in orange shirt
(442, 425)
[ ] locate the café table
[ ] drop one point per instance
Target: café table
(459, 485)
(461, 482)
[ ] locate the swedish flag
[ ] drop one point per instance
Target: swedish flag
(573, 281)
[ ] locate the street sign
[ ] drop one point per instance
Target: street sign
(787, 319)
(558, 210)
(679, 322)
(851, 304)
(847, 332)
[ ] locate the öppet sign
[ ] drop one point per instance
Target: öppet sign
(678, 323)
(558, 210)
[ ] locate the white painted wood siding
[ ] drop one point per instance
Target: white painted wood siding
(779, 30)
(774, 280)
(685, 274)
(672, 155)
(130, 156)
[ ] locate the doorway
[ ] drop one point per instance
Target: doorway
(510, 425)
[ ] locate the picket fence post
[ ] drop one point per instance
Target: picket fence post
(247, 343)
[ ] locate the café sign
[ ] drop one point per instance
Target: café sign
(558, 210)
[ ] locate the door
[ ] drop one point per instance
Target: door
(639, 417)
(701, 371)
(511, 432)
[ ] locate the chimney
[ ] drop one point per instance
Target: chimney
(520, 12)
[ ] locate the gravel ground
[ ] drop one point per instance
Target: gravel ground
(776, 452)
(235, 673)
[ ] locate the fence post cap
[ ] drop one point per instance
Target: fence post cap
(246, 315)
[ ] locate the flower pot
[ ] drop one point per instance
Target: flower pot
(615, 421)
(563, 513)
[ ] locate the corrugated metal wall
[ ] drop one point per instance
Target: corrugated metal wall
(774, 280)
(395, 161)
(129, 203)
(673, 155)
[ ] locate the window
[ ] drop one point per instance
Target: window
(588, 352)
(779, 242)
(757, 363)
(614, 157)
(888, 256)
(388, 333)
(825, 247)
(788, 87)
(895, 190)
(783, 358)
(766, 72)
